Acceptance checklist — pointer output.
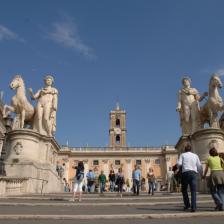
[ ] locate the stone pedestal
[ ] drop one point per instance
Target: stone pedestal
(32, 158)
(202, 141)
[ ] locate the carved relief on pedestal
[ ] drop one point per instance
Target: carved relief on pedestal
(18, 147)
(213, 143)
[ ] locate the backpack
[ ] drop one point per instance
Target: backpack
(80, 176)
(222, 162)
(119, 180)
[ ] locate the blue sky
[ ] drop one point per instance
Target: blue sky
(100, 51)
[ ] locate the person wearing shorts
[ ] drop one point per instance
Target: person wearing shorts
(78, 181)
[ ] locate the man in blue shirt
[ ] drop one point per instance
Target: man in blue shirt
(136, 176)
(90, 181)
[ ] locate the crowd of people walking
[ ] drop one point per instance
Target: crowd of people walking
(185, 174)
(116, 182)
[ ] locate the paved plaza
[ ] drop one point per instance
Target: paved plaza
(94, 208)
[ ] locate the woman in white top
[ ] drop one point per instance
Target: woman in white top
(78, 180)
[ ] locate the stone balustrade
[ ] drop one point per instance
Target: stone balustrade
(13, 185)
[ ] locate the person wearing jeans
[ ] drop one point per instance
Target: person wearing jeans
(189, 178)
(190, 165)
(90, 181)
(112, 180)
(136, 176)
(216, 179)
(151, 181)
(102, 182)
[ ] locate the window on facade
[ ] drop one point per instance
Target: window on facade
(118, 122)
(117, 162)
(118, 139)
(95, 162)
(138, 162)
(157, 161)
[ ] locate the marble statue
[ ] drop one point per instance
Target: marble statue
(45, 111)
(209, 112)
(19, 105)
(188, 107)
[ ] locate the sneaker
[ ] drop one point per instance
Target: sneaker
(216, 208)
(80, 199)
(220, 208)
(193, 210)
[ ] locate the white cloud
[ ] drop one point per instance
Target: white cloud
(7, 34)
(220, 72)
(66, 34)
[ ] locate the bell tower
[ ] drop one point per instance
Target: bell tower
(117, 130)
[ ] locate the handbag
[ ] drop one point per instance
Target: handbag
(222, 162)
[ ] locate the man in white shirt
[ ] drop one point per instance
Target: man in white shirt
(191, 166)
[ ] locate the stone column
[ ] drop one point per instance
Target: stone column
(129, 169)
(86, 170)
(106, 167)
(147, 165)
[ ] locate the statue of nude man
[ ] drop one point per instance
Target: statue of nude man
(188, 107)
(45, 111)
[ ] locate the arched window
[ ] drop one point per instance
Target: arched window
(118, 139)
(118, 123)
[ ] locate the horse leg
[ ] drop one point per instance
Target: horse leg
(7, 110)
(22, 118)
(213, 119)
(16, 122)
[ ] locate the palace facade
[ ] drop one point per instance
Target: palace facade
(118, 154)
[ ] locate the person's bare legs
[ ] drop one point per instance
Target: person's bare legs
(74, 194)
(80, 196)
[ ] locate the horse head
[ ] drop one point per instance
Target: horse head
(16, 82)
(215, 82)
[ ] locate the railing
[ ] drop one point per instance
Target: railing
(123, 149)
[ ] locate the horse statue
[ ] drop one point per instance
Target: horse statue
(19, 105)
(214, 104)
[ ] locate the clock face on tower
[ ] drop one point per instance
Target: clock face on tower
(117, 131)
